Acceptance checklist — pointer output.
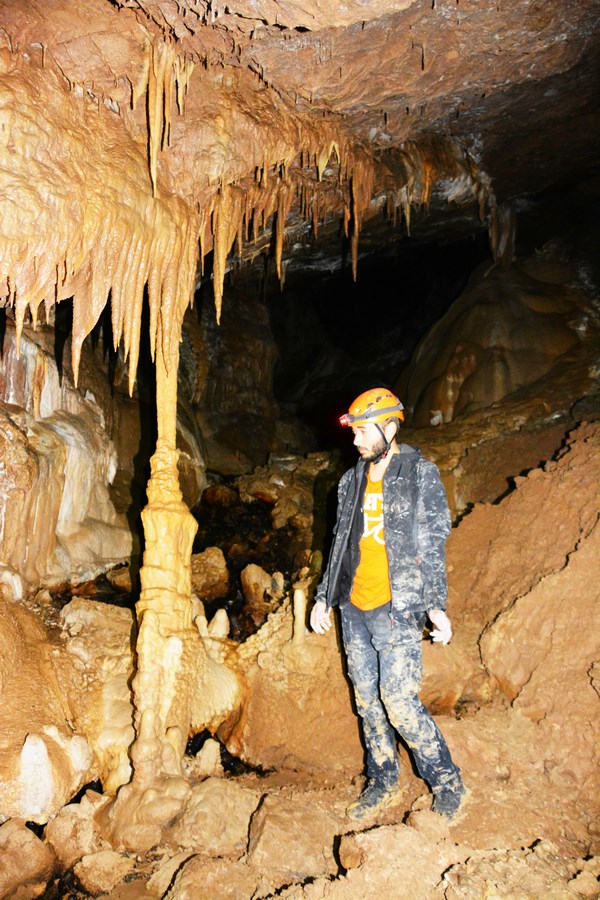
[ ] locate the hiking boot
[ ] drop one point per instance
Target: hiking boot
(447, 799)
(375, 797)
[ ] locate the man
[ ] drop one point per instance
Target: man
(387, 572)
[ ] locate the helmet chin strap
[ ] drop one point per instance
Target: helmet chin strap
(383, 453)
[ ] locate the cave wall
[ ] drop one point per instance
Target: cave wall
(58, 523)
(505, 332)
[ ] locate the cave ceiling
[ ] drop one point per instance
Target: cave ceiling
(250, 123)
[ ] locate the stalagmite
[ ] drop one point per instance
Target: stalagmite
(164, 610)
(299, 617)
(169, 650)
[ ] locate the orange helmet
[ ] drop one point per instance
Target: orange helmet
(374, 406)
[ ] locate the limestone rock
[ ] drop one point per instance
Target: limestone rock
(585, 881)
(288, 482)
(545, 671)
(529, 872)
(165, 872)
(26, 864)
(43, 762)
(101, 872)
(208, 759)
(210, 577)
(261, 592)
(256, 584)
(216, 818)
(11, 584)
(218, 627)
(59, 463)
(98, 643)
(291, 837)
(120, 578)
(212, 878)
(379, 857)
(502, 552)
(298, 712)
(505, 331)
(220, 495)
(136, 818)
(52, 769)
(72, 833)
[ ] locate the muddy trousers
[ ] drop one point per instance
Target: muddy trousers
(383, 651)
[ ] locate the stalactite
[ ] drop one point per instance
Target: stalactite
(325, 155)
(226, 215)
(120, 244)
(202, 239)
(502, 229)
(113, 239)
(361, 191)
(406, 205)
(168, 72)
(355, 227)
(156, 84)
(315, 217)
(183, 69)
(427, 181)
(141, 86)
(285, 198)
(346, 220)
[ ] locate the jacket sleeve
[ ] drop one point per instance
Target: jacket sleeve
(433, 528)
(323, 591)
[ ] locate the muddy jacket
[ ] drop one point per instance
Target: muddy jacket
(416, 521)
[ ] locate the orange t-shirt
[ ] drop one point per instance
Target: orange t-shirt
(371, 585)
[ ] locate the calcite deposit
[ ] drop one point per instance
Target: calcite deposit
(57, 520)
(508, 330)
(44, 760)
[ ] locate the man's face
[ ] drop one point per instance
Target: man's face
(368, 441)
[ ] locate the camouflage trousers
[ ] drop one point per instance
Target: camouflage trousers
(383, 651)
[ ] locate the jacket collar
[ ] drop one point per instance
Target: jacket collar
(407, 454)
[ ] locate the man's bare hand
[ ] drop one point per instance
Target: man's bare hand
(442, 630)
(320, 617)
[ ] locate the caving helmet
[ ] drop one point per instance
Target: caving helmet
(375, 407)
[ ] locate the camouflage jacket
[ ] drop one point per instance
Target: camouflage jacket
(416, 522)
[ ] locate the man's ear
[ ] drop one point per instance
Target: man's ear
(390, 429)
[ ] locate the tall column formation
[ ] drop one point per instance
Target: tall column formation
(167, 639)
(169, 651)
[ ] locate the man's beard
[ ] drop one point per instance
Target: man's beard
(377, 451)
